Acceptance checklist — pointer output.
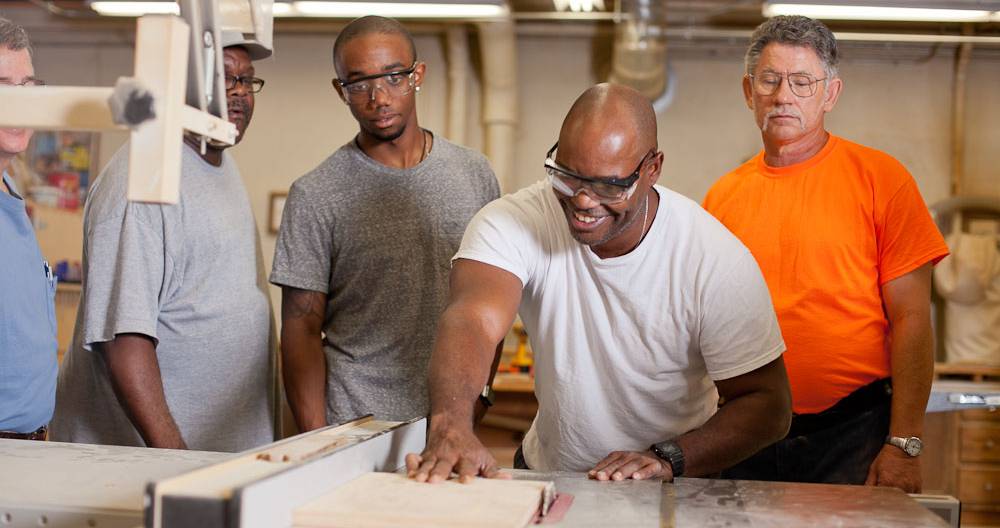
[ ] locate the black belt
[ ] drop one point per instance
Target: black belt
(864, 399)
(34, 435)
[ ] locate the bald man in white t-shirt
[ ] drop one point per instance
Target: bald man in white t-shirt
(642, 311)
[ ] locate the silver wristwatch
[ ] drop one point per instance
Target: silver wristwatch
(911, 446)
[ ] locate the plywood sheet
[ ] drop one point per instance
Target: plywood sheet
(383, 500)
(52, 475)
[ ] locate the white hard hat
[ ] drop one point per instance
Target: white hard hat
(254, 48)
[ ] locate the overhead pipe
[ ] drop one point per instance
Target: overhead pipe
(499, 94)
(639, 52)
(457, 43)
(962, 56)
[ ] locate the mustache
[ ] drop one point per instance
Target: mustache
(238, 105)
(790, 111)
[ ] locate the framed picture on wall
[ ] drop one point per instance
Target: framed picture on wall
(274, 211)
(63, 164)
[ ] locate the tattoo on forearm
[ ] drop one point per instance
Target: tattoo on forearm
(301, 303)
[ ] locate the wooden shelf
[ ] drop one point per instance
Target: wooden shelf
(968, 371)
(513, 382)
(69, 287)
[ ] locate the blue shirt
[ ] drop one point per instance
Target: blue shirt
(27, 322)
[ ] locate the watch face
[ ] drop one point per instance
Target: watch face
(913, 446)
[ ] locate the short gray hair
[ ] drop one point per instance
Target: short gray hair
(13, 36)
(796, 31)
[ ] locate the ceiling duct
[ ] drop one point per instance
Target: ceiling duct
(639, 53)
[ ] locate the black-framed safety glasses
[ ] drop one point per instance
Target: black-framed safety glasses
(605, 190)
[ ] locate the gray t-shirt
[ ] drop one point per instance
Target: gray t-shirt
(187, 275)
(378, 242)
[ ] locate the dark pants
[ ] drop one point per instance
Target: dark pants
(835, 446)
(519, 462)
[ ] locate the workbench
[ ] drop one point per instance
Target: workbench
(103, 486)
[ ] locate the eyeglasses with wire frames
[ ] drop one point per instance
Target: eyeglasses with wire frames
(27, 82)
(361, 90)
(768, 83)
(605, 190)
(250, 84)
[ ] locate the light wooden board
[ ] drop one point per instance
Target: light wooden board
(384, 500)
(260, 488)
(95, 477)
(220, 480)
(57, 108)
(161, 48)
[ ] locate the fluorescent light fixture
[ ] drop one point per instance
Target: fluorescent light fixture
(132, 9)
(421, 9)
(282, 9)
(328, 9)
(579, 6)
(874, 12)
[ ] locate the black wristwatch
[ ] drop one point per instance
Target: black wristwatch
(487, 396)
(670, 453)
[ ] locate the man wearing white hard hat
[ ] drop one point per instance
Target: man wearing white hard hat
(173, 344)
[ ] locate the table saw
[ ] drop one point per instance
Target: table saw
(56, 484)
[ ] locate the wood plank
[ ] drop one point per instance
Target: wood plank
(271, 501)
(57, 108)
(384, 500)
(161, 48)
(218, 481)
(205, 124)
(53, 475)
(259, 489)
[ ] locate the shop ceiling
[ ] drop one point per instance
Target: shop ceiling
(679, 14)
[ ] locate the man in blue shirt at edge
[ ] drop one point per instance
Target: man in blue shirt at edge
(27, 288)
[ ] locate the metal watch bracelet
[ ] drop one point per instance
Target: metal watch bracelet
(671, 453)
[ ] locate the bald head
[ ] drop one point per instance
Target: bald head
(609, 134)
(612, 117)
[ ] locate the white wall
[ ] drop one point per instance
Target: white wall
(897, 104)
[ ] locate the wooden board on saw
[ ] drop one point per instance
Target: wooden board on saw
(218, 481)
(391, 500)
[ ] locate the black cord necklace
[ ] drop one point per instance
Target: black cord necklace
(423, 146)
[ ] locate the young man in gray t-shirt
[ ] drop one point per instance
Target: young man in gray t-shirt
(363, 254)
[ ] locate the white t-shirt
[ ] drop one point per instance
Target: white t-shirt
(626, 348)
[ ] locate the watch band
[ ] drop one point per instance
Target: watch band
(912, 445)
(671, 453)
(488, 396)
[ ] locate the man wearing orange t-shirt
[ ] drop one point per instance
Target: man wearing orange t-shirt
(846, 246)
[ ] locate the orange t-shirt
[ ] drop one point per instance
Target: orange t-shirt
(827, 234)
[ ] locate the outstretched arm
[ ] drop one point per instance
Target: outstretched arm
(756, 412)
(482, 304)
